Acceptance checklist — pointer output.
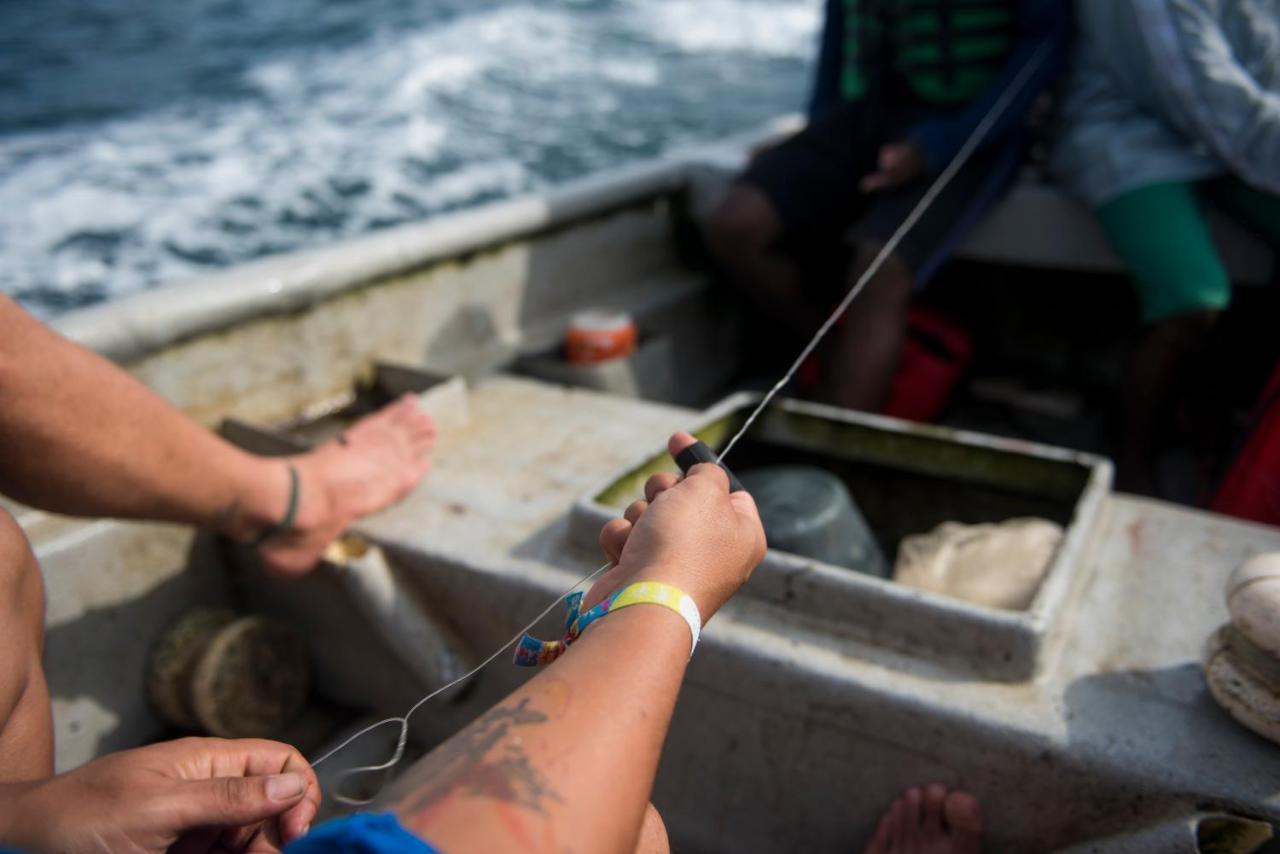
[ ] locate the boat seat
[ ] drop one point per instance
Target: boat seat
(1039, 225)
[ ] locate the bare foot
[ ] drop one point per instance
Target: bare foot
(932, 821)
(375, 463)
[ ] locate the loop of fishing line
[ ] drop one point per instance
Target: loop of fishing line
(930, 196)
(403, 720)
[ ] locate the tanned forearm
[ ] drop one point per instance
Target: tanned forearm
(565, 763)
(78, 435)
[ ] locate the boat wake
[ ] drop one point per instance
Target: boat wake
(281, 128)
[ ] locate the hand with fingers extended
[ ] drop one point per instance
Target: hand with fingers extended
(689, 532)
(191, 795)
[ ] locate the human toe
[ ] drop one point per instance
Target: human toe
(935, 797)
(882, 839)
(963, 815)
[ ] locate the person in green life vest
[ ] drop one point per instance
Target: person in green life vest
(901, 85)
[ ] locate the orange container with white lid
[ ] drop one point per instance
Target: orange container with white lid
(599, 336)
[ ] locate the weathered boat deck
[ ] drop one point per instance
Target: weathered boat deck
(789, 738)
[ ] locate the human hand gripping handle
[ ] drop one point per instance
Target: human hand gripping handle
(688, 531)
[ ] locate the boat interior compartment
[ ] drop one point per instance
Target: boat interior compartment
(819, 693)
(907, 478)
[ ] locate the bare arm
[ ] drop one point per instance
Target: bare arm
(78, 435)
(567, 762)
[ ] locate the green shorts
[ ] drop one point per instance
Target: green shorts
(1162, 233)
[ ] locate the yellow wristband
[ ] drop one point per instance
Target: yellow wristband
(666, 595)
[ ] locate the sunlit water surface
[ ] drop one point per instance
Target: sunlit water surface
(142, 143)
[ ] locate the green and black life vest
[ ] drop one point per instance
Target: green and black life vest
(946, 51)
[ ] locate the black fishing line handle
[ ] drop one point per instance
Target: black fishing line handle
(697, 453)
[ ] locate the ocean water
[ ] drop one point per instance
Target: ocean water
(146, 142)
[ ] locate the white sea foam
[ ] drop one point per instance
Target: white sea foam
(759, 27)
(395, 126)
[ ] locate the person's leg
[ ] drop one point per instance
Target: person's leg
(1165, 351)
(929, 821)
(26, 721)
(743, 234)
(804, 189)
(869, 344)
(1163, 237)
(653, 834)
(78, 435)
(1208, 415)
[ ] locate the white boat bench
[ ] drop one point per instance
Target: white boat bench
(1038, 225)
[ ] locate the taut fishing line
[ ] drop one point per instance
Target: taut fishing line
(957, 163)
(930, 196)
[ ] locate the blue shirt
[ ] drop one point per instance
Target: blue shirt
(363, 833)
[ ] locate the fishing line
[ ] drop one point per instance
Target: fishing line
(957, 163)
(403, 720)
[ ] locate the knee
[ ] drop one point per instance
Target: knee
(744, 219)
(653, 833)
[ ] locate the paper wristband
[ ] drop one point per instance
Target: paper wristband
(666, 595)
(531, 652)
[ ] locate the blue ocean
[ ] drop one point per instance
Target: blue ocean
(143, 143)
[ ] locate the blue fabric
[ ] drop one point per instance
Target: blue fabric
(1039, 22)
(1167, 92)
(363, 833)
(826, 81)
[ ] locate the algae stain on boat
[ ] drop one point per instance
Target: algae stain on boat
(626, 489)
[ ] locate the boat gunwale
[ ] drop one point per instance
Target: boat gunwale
(141, 324)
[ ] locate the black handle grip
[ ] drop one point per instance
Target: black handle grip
(698, 452)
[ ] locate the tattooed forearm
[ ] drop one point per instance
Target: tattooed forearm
(481, 762)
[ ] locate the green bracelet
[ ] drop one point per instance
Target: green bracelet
(289, 514)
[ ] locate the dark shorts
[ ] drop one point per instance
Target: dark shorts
(812, 182)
